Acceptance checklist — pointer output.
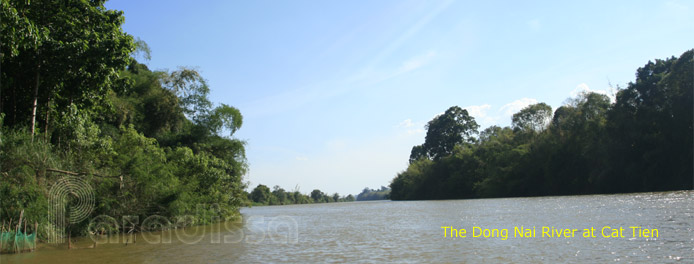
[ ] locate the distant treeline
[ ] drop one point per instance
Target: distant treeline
(371, 194)
(642, 142)
(261, 195)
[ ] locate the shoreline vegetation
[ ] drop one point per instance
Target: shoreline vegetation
(80, 115)
(639, 142)
(374, 194)
(261, 196)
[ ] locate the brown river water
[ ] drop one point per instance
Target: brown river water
(411, 232)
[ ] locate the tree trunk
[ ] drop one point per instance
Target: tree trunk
(48, 110)
(36, 99)
(1, 57)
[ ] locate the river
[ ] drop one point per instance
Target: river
(411, 232)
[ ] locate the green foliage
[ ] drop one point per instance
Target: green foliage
(149, 143)
(533, 118)
(224, 117)
(371, 194)
(188, 84)
(651, 126)
(23, 177)
(445, 131)
(142, 50)
(261, 195)
(317, 196)
(61, 53)
(642, 142)
(17, 31)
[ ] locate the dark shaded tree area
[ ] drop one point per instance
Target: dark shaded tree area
(642, 142)
(261, 195)
(371, 194)
(74, 103)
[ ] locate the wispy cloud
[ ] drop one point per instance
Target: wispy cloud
(370, 76)
(478, 110)
(407, 123)
(411, 127)
(515, 106)
(372, 72)
(481, 114)
(416, 62)
(584, 88)
(409, 33)
(298, 97)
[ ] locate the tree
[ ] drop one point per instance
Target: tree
(192, 89)
(453, 127)
(17, 33)
(142, 50)
(490, 133)
(418, 152)
(651, 126)
(223, 117)
(561, 121)
(371, 194)
(317, 195)
(280, 194)
(72, 61)
(533, 118)
(261, 194)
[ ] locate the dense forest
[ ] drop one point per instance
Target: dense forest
(642, 142)
(261, 195)
(74, 103)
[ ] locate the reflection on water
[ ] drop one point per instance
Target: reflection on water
(411, 231)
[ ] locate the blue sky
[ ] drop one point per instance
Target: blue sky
(335, 93)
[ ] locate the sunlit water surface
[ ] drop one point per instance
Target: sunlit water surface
(385, 231)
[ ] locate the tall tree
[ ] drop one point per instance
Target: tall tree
(261, 194)
(651, 126)
(17, 33)
(74, 63)
(453, 127)
(192, 89)
(532, 118)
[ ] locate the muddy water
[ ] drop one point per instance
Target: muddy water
(412, 231)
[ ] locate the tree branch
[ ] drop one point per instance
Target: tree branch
(79, 173)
